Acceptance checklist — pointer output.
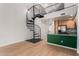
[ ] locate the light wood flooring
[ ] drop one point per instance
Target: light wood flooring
(38, 49)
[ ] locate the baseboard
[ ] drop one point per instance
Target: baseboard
(61, 46)
(9, 43)
(78, 51)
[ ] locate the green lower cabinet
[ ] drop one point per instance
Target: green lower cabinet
(68, 41)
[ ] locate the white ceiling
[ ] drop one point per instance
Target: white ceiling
(48, 4)
(65, 4)
(69, 12)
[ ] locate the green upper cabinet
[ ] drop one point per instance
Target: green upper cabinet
(64, 40)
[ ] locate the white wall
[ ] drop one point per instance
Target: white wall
(44, 28)
(78, 30)
(12, 23)
(51, 28)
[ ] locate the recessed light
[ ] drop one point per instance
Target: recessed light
(71, 15)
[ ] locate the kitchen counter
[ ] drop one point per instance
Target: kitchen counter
(64, 34)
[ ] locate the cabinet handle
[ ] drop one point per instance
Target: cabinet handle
(61, 41)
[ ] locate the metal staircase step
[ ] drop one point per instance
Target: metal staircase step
(39, 16)
(34, 40)
(37, 37)
(30, 20)
(30, 25)
(36, 34)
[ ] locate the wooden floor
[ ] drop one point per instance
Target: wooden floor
(38, 49)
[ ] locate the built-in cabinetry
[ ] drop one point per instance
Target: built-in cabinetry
(65, 34)
(63, 40)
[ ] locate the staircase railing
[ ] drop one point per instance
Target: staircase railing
(31, 15)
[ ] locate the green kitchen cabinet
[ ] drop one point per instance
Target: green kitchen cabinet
(63, 40)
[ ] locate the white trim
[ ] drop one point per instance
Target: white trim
(78, 51)
(3, 45)
(61, 46)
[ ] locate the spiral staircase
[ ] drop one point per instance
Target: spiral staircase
(38, 11)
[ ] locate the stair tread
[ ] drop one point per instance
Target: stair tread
(34, 40)
(30, 20)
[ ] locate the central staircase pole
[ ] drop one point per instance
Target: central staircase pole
(33, 24)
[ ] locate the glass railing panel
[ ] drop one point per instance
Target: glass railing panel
(55, 7)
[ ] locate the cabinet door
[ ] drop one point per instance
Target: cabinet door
(70, 41)
(55, 39)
